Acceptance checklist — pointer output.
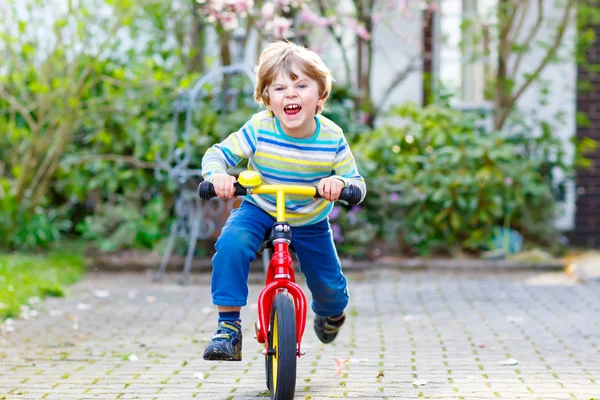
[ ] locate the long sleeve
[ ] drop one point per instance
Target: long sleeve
(344, 168)
(227, 154)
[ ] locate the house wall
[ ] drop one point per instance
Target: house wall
(587, 218)
(560, 78)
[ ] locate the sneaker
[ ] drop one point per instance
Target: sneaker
(226, 344)
(327, 328)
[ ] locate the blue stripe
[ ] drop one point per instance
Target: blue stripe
(341, 149)
(228, 154)
(318, 141)
(248, 140)
(288, 179)
(293, 146)
(308, 175)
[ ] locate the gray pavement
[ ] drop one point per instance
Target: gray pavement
(409, 335)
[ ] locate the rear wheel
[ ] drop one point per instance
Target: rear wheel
(282, 357)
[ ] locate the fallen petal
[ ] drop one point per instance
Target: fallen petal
(470, 377)
(420, 382)
(101, 293)
(199, 375)
(515, 319)
(133, 357)
(150, 299)
(56, 313)
(509, 361)
(84, 306)
(339, 363)
(207, 310)
(75, 326)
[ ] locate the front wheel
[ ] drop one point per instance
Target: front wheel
(283, 354)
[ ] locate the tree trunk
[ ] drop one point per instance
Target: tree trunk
(225, 51)
(427, 38)
(198, 41)
(503, 90)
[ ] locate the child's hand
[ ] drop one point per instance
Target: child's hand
(330, 188)
(223, 184)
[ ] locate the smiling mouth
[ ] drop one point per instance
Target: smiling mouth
(292, 109)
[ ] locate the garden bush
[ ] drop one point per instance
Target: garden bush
(438, 182)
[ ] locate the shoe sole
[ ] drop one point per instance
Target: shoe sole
(218, 356)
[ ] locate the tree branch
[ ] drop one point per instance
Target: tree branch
(517, 28)
(338, 40)
(549, 55)
(24, 111)
(507, 23)
(399, 77)
(532, 34)
(136, 162)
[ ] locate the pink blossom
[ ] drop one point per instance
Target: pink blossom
(267, 11)
(286, 4)
(228, 20)
(308, 17)
(363, 117)
(363, 33)
(281, 27)
(359, 29)
(240, 6)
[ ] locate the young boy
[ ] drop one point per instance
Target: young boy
(289, 143)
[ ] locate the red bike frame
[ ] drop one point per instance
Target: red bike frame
(280, 275)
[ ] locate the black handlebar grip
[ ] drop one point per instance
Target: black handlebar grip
(351, 195)
(206, 190)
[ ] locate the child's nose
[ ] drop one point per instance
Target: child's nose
(291, 92)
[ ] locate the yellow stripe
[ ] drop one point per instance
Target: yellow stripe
(301, 216)
(339, 165)
(293, 160)
(299, 168)
(288, 189)
(237, 146)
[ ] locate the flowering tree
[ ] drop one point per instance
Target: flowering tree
(361, 23)
(353, 28)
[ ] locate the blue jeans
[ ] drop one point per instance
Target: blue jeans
(241, 238)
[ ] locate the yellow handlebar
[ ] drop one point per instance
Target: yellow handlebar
(251, 180)
(280, 191)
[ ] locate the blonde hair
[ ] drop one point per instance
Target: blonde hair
(284, 56)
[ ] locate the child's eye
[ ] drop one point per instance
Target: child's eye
(302, 86)
(278, 89)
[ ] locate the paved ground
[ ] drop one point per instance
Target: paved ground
(409, 335)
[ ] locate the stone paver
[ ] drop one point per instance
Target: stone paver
(450, 329)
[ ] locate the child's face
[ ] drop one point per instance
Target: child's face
(294, 103)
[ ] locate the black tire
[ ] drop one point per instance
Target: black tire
(281, 365)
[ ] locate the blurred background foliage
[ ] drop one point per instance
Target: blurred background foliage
(86, 117)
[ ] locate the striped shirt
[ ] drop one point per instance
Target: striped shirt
(282, 159)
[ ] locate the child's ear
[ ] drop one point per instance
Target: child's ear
(321, 101)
